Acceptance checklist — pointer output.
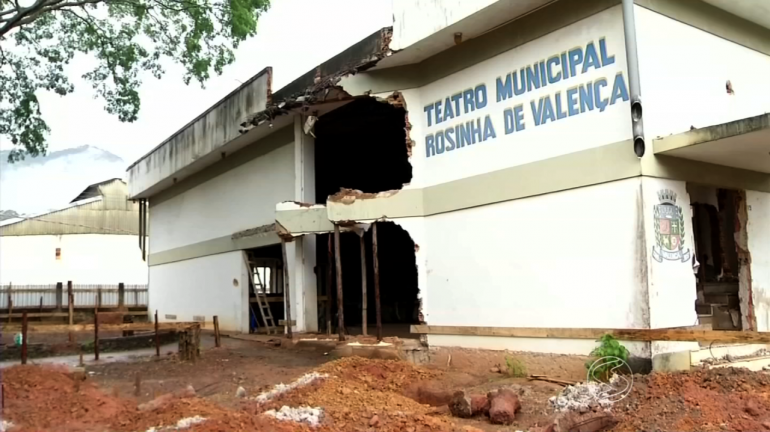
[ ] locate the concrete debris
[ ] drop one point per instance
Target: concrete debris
(503, 406)
(460, 405)
(183, 424)
(280, 389)
(582, 397)
(240, 393)
(303, 414)
(5, 425)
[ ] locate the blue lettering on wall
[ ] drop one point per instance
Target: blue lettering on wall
(595, 95)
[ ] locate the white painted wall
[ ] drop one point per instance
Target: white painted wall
(593, 128)
(414, 20)
(671, 282)
(684, 71)
(568, 259)
(758, 231)
(85, 259)
(239, 199)
(206, 286)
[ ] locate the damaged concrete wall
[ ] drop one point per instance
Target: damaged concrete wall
(670, 247)
(217, 126)
(685, 71)
(567, 259)
(758, 232)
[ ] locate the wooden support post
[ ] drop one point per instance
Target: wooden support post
(157, 335)
(71, 302)
(286, 290)
(137, 385)
(363, 284)
(99, 297)
(41, 304)
(189, 341)
(340, 303)
(96, 333)
(59, 296)
(329, 261)
(376, 260)
(24, 338)
(121, 295)
(217, 340)
(10, 305)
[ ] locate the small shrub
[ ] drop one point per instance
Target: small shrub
(515, 367)
(608, 347)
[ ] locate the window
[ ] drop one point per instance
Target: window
(58, 254)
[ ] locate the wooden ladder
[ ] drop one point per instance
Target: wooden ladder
(262, 304)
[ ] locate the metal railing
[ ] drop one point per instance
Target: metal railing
(54, 296)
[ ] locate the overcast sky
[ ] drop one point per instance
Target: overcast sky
(293, 37)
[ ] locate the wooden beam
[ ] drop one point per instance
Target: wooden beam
(363, 284)
(340, 303)
(668, 334)
(63, 328)
(287, 289)
(376, 259)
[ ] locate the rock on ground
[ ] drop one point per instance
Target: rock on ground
(460, 405)
(503, 406)
(240, 393)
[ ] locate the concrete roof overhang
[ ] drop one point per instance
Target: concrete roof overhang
(741, 144)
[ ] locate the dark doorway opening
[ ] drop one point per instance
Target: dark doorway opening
(266, 265)
(715, 213)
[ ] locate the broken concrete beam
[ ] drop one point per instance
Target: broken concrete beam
(503, 406)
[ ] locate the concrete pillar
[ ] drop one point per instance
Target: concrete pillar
(302, 251)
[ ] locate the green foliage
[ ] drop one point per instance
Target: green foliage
(515, 367)
(126, 37)
(608, 347)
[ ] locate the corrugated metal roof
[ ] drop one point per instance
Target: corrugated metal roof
(95, 189)
(110, 212)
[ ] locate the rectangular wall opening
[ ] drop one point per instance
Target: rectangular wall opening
(266, 266)
(720, 290)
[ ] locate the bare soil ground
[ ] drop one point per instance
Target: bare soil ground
(360, 394)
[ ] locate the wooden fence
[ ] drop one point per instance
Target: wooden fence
(55, 296)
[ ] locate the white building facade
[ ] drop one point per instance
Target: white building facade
(93, 241)
(496, 147)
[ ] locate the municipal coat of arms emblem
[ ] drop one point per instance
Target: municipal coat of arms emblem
(669, 229)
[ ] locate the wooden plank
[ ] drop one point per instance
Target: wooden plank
(286, 323)
(63, 328)
(669, 334)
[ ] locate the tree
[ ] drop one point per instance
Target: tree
(126, 37)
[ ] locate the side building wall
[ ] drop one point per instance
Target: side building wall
(84, 259)
(693, 78)
(196, 268)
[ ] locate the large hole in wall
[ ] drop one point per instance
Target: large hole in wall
(362, 146)
(715, 229)
(398, 281)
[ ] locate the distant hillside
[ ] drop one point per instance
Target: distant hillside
(35, 185)
(8, 214)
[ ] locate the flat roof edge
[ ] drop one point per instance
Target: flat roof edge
(712, 133)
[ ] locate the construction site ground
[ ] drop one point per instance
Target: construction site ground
(360, 394)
